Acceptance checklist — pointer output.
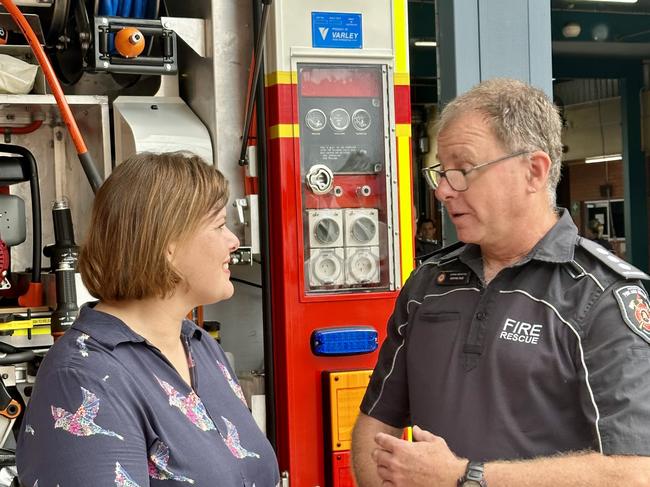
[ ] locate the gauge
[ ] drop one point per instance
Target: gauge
(316, 119)
(363, 229)
(361, 120)
(327, 230)
(340, 119)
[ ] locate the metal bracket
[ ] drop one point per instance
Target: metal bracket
(192, 31)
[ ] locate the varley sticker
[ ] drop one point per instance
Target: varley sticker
(635, 307)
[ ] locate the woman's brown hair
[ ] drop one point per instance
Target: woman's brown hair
(148, 202)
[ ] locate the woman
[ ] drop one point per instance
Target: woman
(134, 394)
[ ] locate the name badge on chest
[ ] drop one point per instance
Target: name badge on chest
(453, 278)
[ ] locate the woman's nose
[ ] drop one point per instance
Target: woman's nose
(234, 241)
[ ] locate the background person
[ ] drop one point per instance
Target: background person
(520, 355)
(134, 394)
(425, 239)
(596, 231)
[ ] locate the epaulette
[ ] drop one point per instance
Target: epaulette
(441, 252)
(616, 264)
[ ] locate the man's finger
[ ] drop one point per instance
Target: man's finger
(384, 473)
(422, 435)
(387, 442)
(381, 457)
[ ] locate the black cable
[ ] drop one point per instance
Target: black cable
(260, 32)
(267, 320)
(244, 281)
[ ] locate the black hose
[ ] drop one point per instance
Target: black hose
(259, 33)
(267, 320)
(17, 358)
(7, 348)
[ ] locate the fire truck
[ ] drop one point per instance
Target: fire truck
(304, 106)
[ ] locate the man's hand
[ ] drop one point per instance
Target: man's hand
(426, 462)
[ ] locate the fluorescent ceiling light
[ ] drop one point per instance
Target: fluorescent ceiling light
(607, 158)
(610, 1)
(425, 43)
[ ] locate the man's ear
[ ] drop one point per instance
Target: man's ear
(539, 167)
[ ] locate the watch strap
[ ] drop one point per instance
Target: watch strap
(474, 473)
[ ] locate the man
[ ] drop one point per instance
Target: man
(425, 240)
(521, 357)
(596, 231)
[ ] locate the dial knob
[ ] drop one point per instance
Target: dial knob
(327, 231)
(363, 229)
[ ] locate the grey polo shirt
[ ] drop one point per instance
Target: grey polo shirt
(108, 409)
(553, 355)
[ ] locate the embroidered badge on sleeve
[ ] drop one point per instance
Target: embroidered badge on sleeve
(122, 478)
(158, 461)
(82, 421)
(233, 443)
(191, 406)
(236, 388)
(635, 308)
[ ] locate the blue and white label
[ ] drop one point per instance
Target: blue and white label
(336, 30)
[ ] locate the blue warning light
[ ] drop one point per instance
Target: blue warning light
(349, 340)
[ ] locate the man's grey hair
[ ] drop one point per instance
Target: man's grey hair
(521, 117)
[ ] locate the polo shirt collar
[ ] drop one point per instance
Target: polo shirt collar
(111, 331)
(557, 246)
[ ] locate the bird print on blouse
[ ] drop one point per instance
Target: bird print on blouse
(191, 406)
(30, 430)
(81, 343)
(236, 388)
(233, 443)
(158, 461)
(82, 421)
(122, 478)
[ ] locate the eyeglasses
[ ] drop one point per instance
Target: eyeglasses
(457, 178)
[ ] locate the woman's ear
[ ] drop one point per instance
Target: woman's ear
(538, 170)
(171, 252)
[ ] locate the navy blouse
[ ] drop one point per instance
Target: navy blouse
(108, 409)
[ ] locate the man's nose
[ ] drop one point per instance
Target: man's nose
(444, 191)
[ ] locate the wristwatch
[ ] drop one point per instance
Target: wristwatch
(473, 476)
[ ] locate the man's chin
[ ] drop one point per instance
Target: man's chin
(466, 235)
